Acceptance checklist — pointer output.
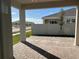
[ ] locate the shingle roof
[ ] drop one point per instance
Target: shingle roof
(70, 12)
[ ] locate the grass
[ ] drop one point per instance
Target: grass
(16, 38)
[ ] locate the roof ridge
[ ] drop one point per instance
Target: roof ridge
(59, 12)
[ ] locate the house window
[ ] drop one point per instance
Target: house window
(46, 21)
(53, 22)
(68, 20)
(73, 20)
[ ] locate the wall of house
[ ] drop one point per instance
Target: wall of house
(49, 19)
(70, 18)
(53, 29)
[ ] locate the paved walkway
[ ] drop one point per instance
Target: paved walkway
(41, 47)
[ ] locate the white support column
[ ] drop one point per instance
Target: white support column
(76, 42)
(6, 47)
(22, 25)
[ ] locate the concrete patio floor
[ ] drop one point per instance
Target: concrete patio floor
(43, 47)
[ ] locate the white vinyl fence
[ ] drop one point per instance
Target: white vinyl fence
(69, 29)
(53, 29)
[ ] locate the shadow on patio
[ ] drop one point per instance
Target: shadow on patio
(41, 51)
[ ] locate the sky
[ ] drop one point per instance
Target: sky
(35, 15)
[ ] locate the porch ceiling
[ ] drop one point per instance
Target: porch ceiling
(33, 4)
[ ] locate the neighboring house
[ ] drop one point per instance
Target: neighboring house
(17, 24)
(52, 24)
(69, 17)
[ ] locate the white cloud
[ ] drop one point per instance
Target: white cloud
(36, 21)
(15, 19)
(14, 13)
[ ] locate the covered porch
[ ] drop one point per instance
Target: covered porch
(6, 47)
(46, 47)
(39, 4)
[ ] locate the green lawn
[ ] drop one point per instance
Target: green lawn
(16, 38)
